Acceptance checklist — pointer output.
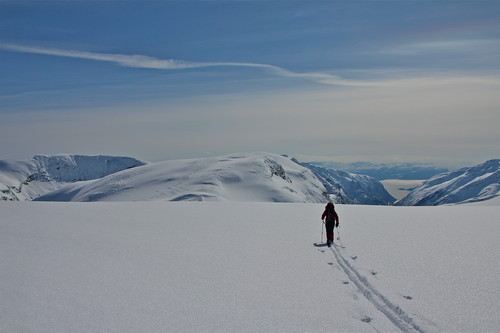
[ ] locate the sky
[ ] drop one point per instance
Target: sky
(376, 81)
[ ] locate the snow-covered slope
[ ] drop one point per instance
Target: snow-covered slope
(236, 177)
(246, 267)
(28, 179)
(478, 183)
(351, 188)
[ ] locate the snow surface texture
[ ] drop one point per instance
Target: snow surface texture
(26, 180)
(351, 188)
(246, 267)
(478, 183)
(254, 177)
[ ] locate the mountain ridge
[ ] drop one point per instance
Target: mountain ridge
(235, 177)
(478, 183)
(382, 171)
(351, 188)
(28, 179)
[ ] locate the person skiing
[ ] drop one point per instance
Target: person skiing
(332, 220)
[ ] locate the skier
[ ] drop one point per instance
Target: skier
(332, 220)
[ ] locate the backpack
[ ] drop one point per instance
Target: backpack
(330, 212)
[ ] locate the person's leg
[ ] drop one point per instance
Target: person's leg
(329, 232)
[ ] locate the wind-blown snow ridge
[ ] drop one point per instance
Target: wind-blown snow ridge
(478, 183)
(393, 312)
(253, 177)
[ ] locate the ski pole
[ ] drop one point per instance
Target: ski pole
(322, 224)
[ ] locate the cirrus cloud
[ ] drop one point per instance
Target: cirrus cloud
(144, 61)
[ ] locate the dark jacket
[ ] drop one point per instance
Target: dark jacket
(330, 214)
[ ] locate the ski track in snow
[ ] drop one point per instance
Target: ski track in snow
(393, 312)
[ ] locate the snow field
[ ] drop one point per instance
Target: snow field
(246, 267)
(439, 263)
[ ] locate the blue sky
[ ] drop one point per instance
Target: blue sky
(380, 81)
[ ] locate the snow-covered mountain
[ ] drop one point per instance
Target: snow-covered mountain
(478, 183)
(256, 177)
(351, 188)
(29, 179)
(237, 177)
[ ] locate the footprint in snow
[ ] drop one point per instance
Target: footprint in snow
(408, 297)
(354, 257)
(366, 319)
(373, 272)
(345, 282)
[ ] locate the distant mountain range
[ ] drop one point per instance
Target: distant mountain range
(407, 171)
(260, 177)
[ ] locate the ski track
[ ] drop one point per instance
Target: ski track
(393, 312)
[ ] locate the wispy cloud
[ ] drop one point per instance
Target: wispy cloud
(139, 61)
(144, 61)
